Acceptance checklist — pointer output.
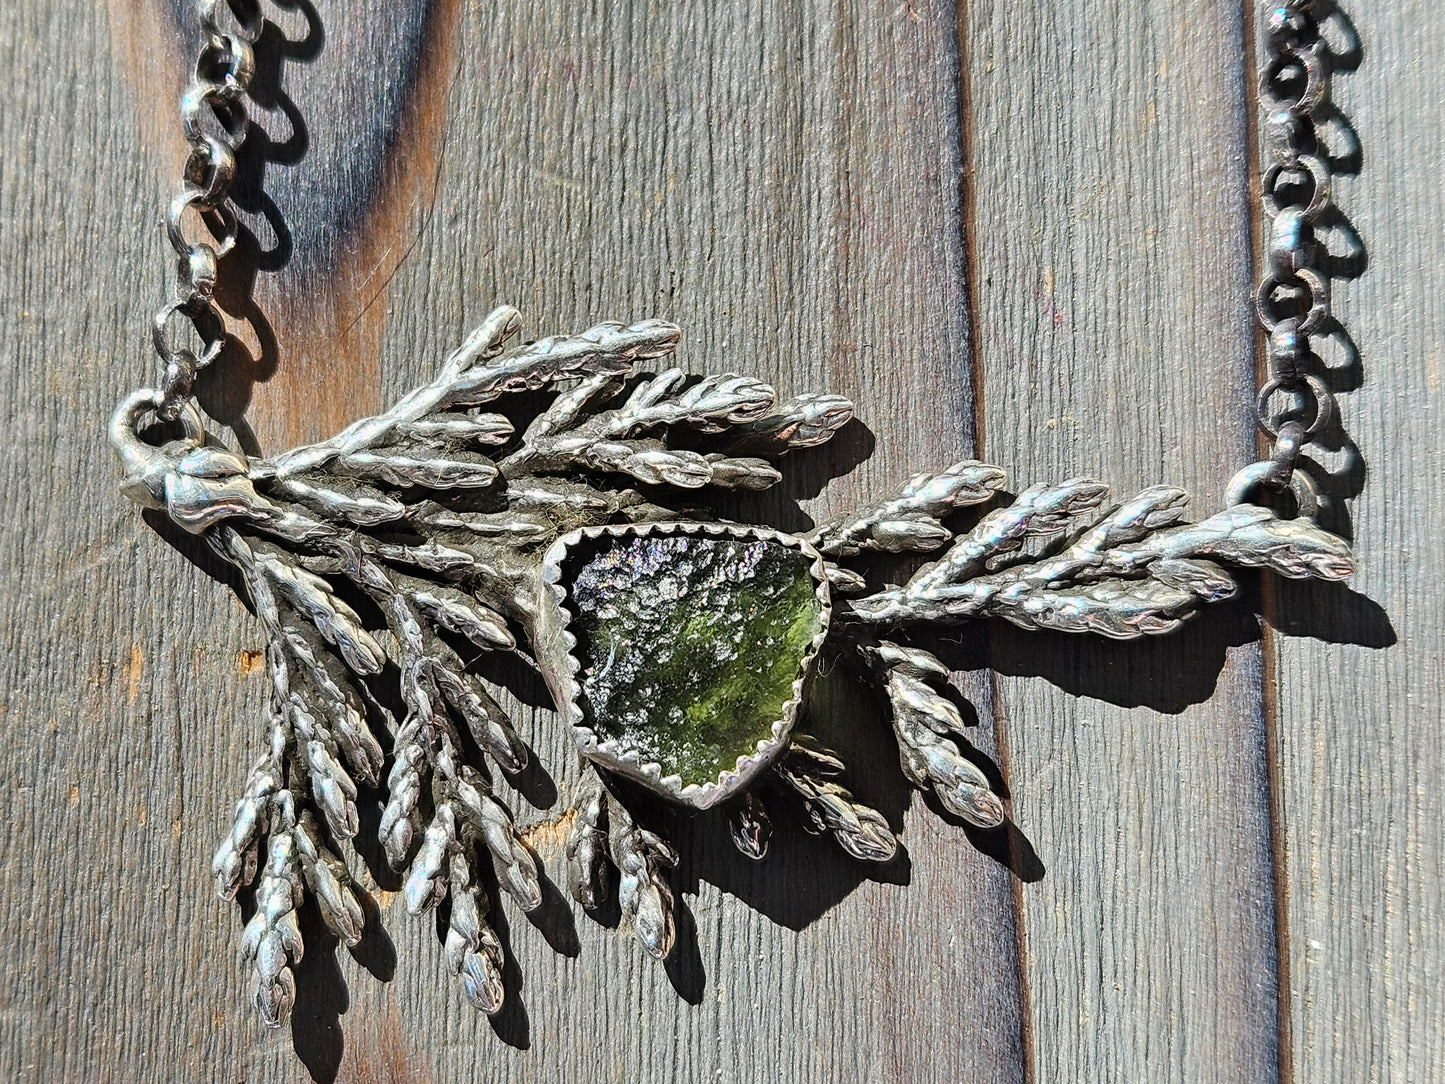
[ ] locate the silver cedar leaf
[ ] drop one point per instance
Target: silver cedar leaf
(923, 705)
(455, 611)
(513, 528)
(1118, 609)
(606, 348)
(330, 883)
(234, 864)
(718, 401)
(312, 597)
(587, 868)
(472, 951)
(515, 866)
(272, 938)
(458, 430)
(804, 421)
(404, 467)
(400, 817)
(348, 725)
(488, 723)
(845, 581)
(750, 827)
(1204, 578)
(1244, 535)
(333, 791)
(1038, 511)
(859, 829)
(426, 884)
(912, 662)
(742, 473)
(911, 520)
(933, 762)
(667, 466)
(358, 504)
(643, 893)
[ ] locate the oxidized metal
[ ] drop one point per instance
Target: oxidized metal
(1293, 299)
(450, 544)
(458, 551)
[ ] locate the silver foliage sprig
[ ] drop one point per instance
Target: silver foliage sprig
(438, 513)
(605, 836)
(237, 855)
(472, 949)
(925, 723)
(351, 508)
(644, 894)
(477, 372)
(466, 824)
(631, 439)
(330, 882)
(911, 520)
(466, 819)
(810, 772)
(1138, 570)
(588, 862)
(303, 770)
(271, 941)
(750, 826)
(804, 421)
(402, 468)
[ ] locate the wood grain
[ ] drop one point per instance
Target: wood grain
(1111, 239)
(335, 182)
(1032, 233)
(1358, 716)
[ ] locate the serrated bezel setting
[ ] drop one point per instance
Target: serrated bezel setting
(555, 655)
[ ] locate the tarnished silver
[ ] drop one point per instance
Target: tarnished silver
(1135, 570)
(1293, 300)
(213, 113)
(446, 541)
(454, 529)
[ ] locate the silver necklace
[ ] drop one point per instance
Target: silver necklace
(678, 647)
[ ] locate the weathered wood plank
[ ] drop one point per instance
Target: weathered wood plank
(1358, 712)
(780, 179)
(1111, 241)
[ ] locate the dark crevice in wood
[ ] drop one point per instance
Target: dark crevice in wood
(974, 347)
(1268, 701)
(1279, 869)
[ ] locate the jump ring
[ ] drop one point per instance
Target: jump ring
(1324, 407)
(1313, 319)
(1243, 485)
(1319, 177)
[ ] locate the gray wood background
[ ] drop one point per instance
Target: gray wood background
(1023, 231)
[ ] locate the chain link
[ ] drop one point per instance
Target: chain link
(213, 114)
(1293, 302)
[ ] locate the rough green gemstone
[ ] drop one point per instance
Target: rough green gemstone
(689, 645)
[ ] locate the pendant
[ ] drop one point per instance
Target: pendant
(678, 648)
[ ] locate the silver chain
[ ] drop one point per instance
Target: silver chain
(213, 113)
(1293, 300)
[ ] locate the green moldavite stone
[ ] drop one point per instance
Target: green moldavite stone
(689, 645)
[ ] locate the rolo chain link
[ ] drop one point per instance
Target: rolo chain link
(213, 113)
(1293, 300)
